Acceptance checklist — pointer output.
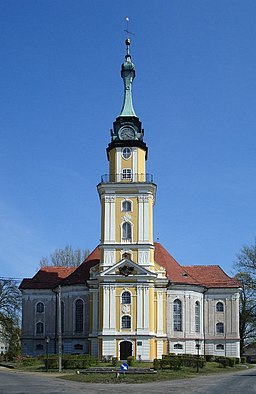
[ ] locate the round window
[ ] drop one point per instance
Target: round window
(126, 153)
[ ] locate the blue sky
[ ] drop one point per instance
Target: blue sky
(61, 91)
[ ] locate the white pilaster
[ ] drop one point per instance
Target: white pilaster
(106, 220)
(112, 219)
(159, 313)
(95, 311)
(146, 220)
(140, 219)
(139, 309)
(112, 325)
(118, 164)
(136, 176)
(146, 308)
(105, 308)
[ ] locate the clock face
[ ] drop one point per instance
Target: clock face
(127, 133)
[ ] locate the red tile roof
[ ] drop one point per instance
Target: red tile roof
(175, 272)
(47, 278)
(209, 276)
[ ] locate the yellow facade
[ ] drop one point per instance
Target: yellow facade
(128, 306)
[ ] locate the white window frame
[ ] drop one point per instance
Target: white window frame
(127, 174)
(123, 153)
(128, 240)
(177, 315)
(126, 303)
(219, 303)
(126, 328)
(123, 202)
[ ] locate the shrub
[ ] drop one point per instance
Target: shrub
(209, 358)
(237, 360)
(223, 361)
(27, 361)
(232, 361)
(156, 364)
(243, 360)
(114, 361)
(176, 363)
(130, 361)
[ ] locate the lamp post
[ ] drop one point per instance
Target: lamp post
(47, 341)
(198, 348)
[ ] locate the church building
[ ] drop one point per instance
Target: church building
(130, 296)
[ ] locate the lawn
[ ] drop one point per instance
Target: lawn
(185, 372)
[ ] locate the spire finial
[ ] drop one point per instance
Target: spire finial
(128, 75)
(128, 33)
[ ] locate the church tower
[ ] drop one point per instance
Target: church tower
(128, 287)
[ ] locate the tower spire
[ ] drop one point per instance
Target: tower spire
(128, 75)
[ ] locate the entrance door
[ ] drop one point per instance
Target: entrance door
(125, 350)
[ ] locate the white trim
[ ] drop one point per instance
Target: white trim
(95, 297)
(124, 200)
(140, 220)
(146, 307)
(135, 163)
(112, 323)
(160, 313)
(131, 151)
(128, 241)
(118, 163)
(106, 221)
(105, 308)
(112, 219)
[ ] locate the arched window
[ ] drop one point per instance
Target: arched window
(79, 316)
(177, 346)
(220, 328)
(127, 173)
(39, 328)
(126, 321)
(126, 297)
(197, 316)
(126, 231)
(62, 317)
(219, 307)
(220, 346)
(40, 307)
(126, 206)
(177, 315)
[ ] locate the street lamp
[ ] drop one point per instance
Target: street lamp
(47, 341)
(198, 348)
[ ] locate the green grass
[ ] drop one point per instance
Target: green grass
(185, 372)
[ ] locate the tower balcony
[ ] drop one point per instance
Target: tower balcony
(127, 177)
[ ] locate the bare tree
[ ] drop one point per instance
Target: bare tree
(67, 257)
(245, 267)
(10, 306)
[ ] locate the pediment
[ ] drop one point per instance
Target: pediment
(127, 268)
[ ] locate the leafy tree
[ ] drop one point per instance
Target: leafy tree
(66, 257)
(245, 266)
(10, 306)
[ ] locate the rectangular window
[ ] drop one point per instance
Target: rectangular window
(127, 173)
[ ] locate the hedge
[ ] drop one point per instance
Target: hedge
(72, 361)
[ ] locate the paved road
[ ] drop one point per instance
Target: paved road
(27, 383)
